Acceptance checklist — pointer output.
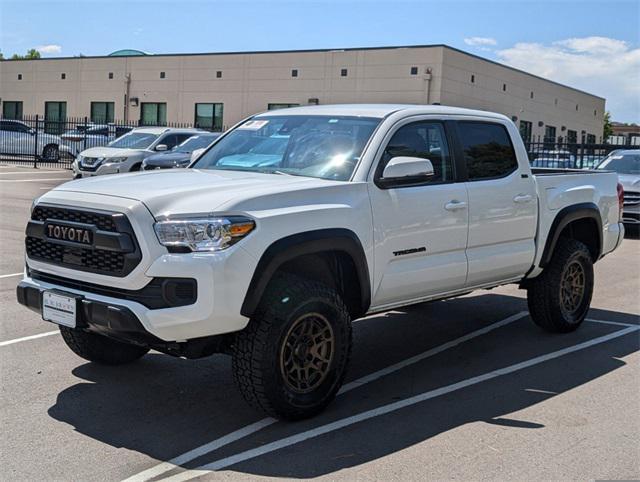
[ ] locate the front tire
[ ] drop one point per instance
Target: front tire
(560, 297)
(100, 349)
(292, 358)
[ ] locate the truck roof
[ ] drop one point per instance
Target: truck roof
(379, 110)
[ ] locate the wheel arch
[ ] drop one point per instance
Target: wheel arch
(579, 221)
(298, 249)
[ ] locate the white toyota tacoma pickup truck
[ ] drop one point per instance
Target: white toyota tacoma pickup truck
(296, 222)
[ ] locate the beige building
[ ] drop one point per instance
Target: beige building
(220, 89)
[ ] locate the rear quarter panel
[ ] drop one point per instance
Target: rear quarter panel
(557, 191)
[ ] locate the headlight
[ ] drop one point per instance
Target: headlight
(207, 234)
(115, 160)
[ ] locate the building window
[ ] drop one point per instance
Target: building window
(572, 137)
(591, 139)
(209, 116)
(162, 75)
(19, 76)
(549, 136)
(504, 87)
(219, 74)
(555, 102)
(531, 95)
(414, 70)
(473, 79)
(343, 72)
(63, 76)
(576, 106)
(102, 112)
(111, 75)
(595, 112)
(294, 73)
(55, 115)
(277, 106)
(153, 114)
(526, 129)
(12, 109)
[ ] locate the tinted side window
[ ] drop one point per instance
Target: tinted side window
(426, 140)
(170, 141)
(487, 150)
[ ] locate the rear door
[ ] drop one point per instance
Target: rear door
(420, 230)
(502, 204)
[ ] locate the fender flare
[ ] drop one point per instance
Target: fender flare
(309, 242)
(566, 216)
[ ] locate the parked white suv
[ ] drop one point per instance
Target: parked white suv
(297, 222)
(126, 153)
(17, 138)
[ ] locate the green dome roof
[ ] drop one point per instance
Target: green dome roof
(126, 53)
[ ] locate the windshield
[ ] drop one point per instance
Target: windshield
(622, 163)
(134, 140)
(195, 142)
(327, 147)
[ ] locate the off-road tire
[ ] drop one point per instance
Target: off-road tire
(100, 349)
(259, 350)
(544, 293)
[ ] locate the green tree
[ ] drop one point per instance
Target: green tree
(607, 129)
(31, 54)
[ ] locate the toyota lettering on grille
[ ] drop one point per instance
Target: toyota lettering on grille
(69, 233)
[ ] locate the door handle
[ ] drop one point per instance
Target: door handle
(455, 205)
(522, 198)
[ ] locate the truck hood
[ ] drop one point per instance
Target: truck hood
(110, 152)
(193, 191)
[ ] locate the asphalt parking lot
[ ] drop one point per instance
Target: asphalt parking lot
(466, 388)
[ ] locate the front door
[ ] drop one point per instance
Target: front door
(420, 230)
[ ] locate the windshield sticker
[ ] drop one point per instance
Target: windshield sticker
(254, 125)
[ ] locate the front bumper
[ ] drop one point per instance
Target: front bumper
(109, 319)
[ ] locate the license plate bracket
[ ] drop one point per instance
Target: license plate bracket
(60, 308)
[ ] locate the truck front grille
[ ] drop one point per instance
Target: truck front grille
(631, 198)
(113, 251)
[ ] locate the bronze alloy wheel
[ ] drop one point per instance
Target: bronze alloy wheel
(572, 287)
(307, 353)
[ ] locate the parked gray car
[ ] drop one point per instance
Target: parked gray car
(126, 153)
(627, 164)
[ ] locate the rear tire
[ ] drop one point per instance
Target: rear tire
(100, 349)
(560, 297)
(291, 360)
(50, 153)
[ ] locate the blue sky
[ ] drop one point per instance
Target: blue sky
(593, 45)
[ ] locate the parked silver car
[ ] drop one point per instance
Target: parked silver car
(627, 164)
(18, 138)
(126, 153)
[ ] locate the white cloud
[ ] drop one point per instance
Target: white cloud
(49, 49)
(481, 41)
(603, 66)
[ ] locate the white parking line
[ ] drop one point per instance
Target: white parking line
(27, 338)
(392, 407)
(11, 275)
(607, 322)
(217, 443)
(37, 180)
(32, 171)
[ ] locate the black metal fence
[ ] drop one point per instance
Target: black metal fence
(40, 142)
(563, 153)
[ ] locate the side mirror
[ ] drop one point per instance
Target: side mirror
(402, 170)
(161, 147)
(195, 154)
